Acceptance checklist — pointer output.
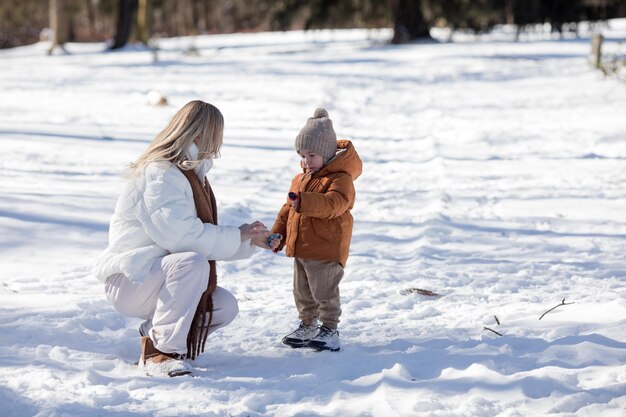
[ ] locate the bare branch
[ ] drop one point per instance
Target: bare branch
(497, 321)
(563, 303)
(491, 330)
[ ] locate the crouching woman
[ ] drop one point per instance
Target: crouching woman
(164, 240)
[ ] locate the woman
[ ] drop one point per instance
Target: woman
(164, 241)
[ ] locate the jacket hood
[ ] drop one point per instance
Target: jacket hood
(345, 160)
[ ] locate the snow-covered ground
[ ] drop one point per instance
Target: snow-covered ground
(494, 175)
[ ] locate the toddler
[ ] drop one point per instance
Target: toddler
(316, 227)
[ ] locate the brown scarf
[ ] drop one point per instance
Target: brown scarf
(206, 208)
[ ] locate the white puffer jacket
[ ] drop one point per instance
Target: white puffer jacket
(155, 216)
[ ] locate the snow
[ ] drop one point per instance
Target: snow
(494, 175)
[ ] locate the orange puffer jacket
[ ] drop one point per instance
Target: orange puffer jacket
(322, 227)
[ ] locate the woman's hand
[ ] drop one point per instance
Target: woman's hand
(260, 239)
(257, 233)
(248, 231)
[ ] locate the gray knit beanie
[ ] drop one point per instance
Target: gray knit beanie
(318, 135)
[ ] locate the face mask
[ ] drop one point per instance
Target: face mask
(204, 166)
(193, 151)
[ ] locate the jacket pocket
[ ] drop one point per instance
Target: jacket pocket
(321, 230)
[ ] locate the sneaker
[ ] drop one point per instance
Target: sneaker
(156, 363)
(301, 336)
(145, 327)
(325, 339)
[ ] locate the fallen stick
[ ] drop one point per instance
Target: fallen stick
(491, 330)
(420, 291)
(563, 303)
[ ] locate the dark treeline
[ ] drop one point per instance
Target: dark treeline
(122, 21)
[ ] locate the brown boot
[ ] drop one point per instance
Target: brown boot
(155, 362)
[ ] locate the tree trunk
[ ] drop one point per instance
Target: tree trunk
(144, 21)
(409, 22)
(125, 19)
(91, 16)
(207, 15)
(59, 30)
(195, 17)
(596, 50)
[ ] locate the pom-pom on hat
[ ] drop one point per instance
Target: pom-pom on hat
(318, 135)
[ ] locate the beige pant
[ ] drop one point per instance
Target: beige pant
(316, 290)
(169, 295)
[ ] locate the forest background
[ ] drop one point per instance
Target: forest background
(138, 21)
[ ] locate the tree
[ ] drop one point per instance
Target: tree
(409, 22)
(59, 26)
(126, 12)
(144, 21)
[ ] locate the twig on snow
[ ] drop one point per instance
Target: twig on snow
(563, 303)
(491, 330)
(497, 321)
(420, 291)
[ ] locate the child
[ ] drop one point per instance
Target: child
(317, 227)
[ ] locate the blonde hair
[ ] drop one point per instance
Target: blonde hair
(196, 119)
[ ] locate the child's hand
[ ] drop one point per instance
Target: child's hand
(273, 241)
(294, 199)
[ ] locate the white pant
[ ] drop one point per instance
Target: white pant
(169, 295)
